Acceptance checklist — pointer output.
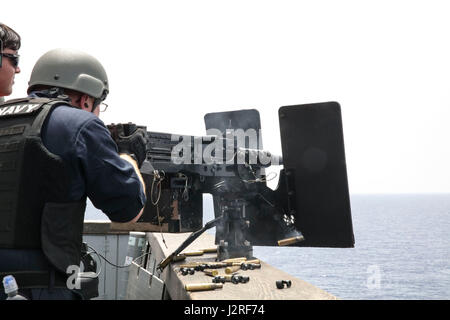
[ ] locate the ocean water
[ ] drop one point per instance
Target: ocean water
(402, 250)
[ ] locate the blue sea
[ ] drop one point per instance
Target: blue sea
(402, 251)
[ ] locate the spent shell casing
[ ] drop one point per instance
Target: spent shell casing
(179, 257)
(211, 272)
(193, 253)
(232, 269)
(228, 277)
(189, 265)
(288, 241)
(235, 259)
(202, 286)
(216, 265)
(255, 261)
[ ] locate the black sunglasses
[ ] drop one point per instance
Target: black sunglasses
(13, 57)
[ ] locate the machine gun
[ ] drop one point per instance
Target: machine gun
(310, 206)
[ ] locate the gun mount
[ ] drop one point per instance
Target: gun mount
(310, 206)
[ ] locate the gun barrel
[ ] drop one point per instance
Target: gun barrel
(261, 157)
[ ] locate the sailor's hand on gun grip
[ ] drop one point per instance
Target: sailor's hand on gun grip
(134, 144)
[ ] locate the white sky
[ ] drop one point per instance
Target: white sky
(169, 62)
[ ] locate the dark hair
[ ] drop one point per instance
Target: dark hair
(9, 37)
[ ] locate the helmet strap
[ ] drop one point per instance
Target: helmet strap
(97, 101)
(56, 92)
(94, 106)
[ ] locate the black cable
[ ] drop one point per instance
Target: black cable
(112, 264)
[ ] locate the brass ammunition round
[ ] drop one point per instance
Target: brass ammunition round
(235, 259)
(179, 257)
(233, 269)
(288, 241)
(203, 286)
(255, 261)
(193, 253)
(210, 272)
(210, 250)
(216, 265)
(227, 277)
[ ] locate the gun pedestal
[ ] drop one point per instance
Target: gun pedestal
(233, 227)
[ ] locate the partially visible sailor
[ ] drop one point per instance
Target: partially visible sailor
(54, 153)
(9, 59)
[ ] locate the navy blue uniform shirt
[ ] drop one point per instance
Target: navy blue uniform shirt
(96, 170)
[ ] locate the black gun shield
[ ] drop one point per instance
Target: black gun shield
(313, 153)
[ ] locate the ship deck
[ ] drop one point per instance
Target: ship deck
(146, 282)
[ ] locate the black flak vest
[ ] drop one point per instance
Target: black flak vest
(35, 212)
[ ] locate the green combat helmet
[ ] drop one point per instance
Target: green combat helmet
(71, 69)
